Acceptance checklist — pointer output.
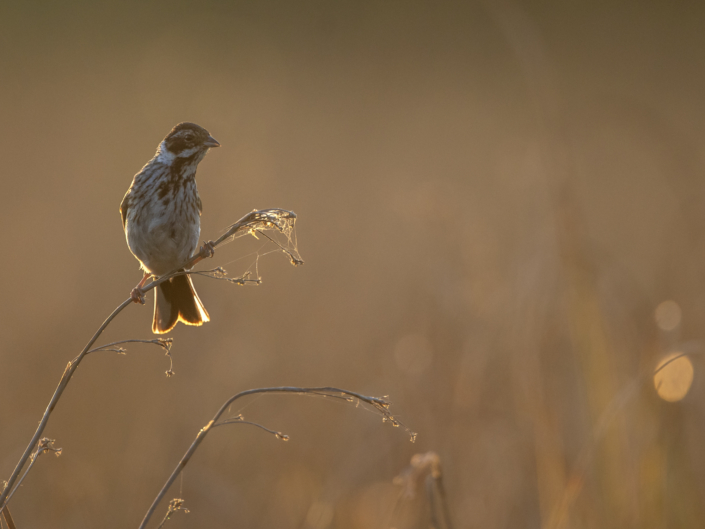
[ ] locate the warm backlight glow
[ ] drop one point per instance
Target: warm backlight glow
(673, 378)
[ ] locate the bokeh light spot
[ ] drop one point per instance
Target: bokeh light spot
(668, 315)
(673, 377)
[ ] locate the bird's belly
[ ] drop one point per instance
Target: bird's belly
(163, 242)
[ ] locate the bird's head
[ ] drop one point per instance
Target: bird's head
(186, 140)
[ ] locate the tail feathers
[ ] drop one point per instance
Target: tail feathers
(176, 300)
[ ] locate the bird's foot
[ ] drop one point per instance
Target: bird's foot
(137, 296)
(208, 249)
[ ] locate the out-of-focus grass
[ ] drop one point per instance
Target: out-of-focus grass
(487, 254)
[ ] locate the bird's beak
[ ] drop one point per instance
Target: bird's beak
(211, 142)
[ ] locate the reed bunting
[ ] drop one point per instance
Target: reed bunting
(161, 216)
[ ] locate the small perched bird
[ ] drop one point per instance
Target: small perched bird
(161, 215)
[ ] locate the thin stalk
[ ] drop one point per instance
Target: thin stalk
(8, 518)
(380, 405)
(65, 378)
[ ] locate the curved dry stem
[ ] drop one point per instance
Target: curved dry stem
(676, 357)
(278, 219)
(164, 343)
(220, 273)
(380, 405)
(241, 420)
(63, 382)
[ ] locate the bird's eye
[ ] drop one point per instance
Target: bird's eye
(188, 137)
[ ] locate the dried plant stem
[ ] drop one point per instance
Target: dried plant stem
(381, 405)
(175, 505)
(45, 445)
(164, 343)
(240, 420)
(8, 518)
(65, 378)
(432, 480)
(425, 468)
(255, 220)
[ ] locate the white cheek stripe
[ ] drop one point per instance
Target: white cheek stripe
(188, 152)
(163, 154)
(167, 157)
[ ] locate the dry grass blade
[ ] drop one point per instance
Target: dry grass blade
(379, 404)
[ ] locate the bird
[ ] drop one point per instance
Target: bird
(161, 216)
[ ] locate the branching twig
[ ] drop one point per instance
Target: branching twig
(241, 420)
(63, 382)
(164, 343)
(278, 219)
(220, 273)
(177, 504)
(381, 405)
(45, 445)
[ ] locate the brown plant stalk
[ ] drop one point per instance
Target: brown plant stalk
(257, 220)
(379, 404)
(425, 472)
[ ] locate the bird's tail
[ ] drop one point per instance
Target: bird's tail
(176, 300)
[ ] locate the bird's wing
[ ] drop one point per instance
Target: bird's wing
(124, 206)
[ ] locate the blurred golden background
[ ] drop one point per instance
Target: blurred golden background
(501, 209)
